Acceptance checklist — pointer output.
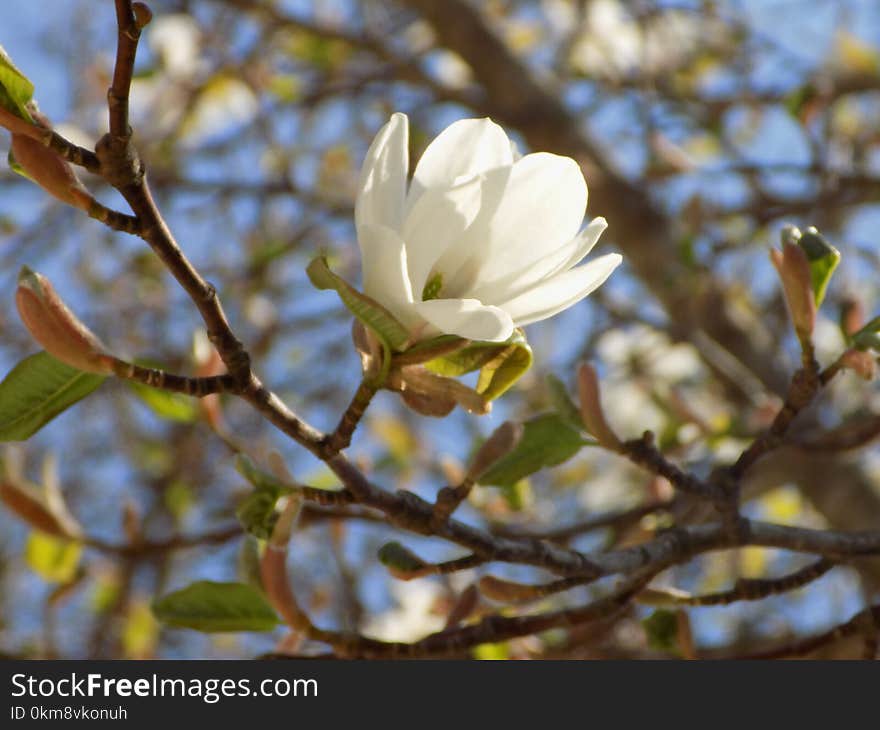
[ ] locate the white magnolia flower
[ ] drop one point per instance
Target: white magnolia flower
(482, 240)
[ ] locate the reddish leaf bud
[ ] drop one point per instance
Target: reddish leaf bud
(591, 408)
(51, 172)
(56, 328)
(794, 271)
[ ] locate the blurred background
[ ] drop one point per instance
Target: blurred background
(702, 128)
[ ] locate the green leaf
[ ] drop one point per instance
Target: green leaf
(518, 496)
(823, 258)
(170, 406)
(262, 480)
(400, 560)
(491, 652)
(562, 402)
(216, 607)
(500, 364)
(371, 313)
(54, 559)
(16, 167)
(661, 629)
(502, 371)
(797, 101)
(466, 360)
(547, 440)
(868, 337)
(38, 389)
(16, 90)
(257, 512)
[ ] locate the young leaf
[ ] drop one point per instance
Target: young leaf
(170, 406)
(661, 630)
(401, 562)
(562, 402)
(823, 258)
(262, 480)
(547, 440)
(16, 90)
(466, 360)
(54, 559)
(216, 607)
(371, 313)
(38, 389)
(257, 512)
(868, 337)
(503, 370)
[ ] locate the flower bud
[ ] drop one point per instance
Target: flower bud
(31, 507)
(434, 395)
(852, 316)
(401, 562)
(591, 408)
(56, 328)
(507, 591)
(49, 171)
(497, 446)
(142, 14)
(794, 271)
(464, 606)
(860, 362)
(42, 165)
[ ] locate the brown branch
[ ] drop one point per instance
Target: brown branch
(865, 622)
(161, 380)
(644, 453)
(144, 549)
(130, 19)
(615, 520)
(340, 439)
(745, 589)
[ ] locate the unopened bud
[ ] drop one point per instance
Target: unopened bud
(852, 316)
(507, 591)
(434, 395)
(823, 259)
(497, 446)
(142, 14)
(794, 270)
(401, 562)
(56, 328)
(52, 173)
(39, 509)
(860, 362)
(591, 408)
(463, 607)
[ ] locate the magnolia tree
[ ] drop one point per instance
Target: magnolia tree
(398, 471)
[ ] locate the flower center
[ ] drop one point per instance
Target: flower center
(432, 287)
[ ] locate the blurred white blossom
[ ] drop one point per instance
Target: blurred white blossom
(613, 42)
(181, 94)
(412, 617)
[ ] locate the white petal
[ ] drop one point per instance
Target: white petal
(437, 220)
(540, 208)
(382, 187)
(581, 245)
(461, 262)
(386, 278)
(532, 273)
(561, 291)
(465, 148)
(467, 318)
